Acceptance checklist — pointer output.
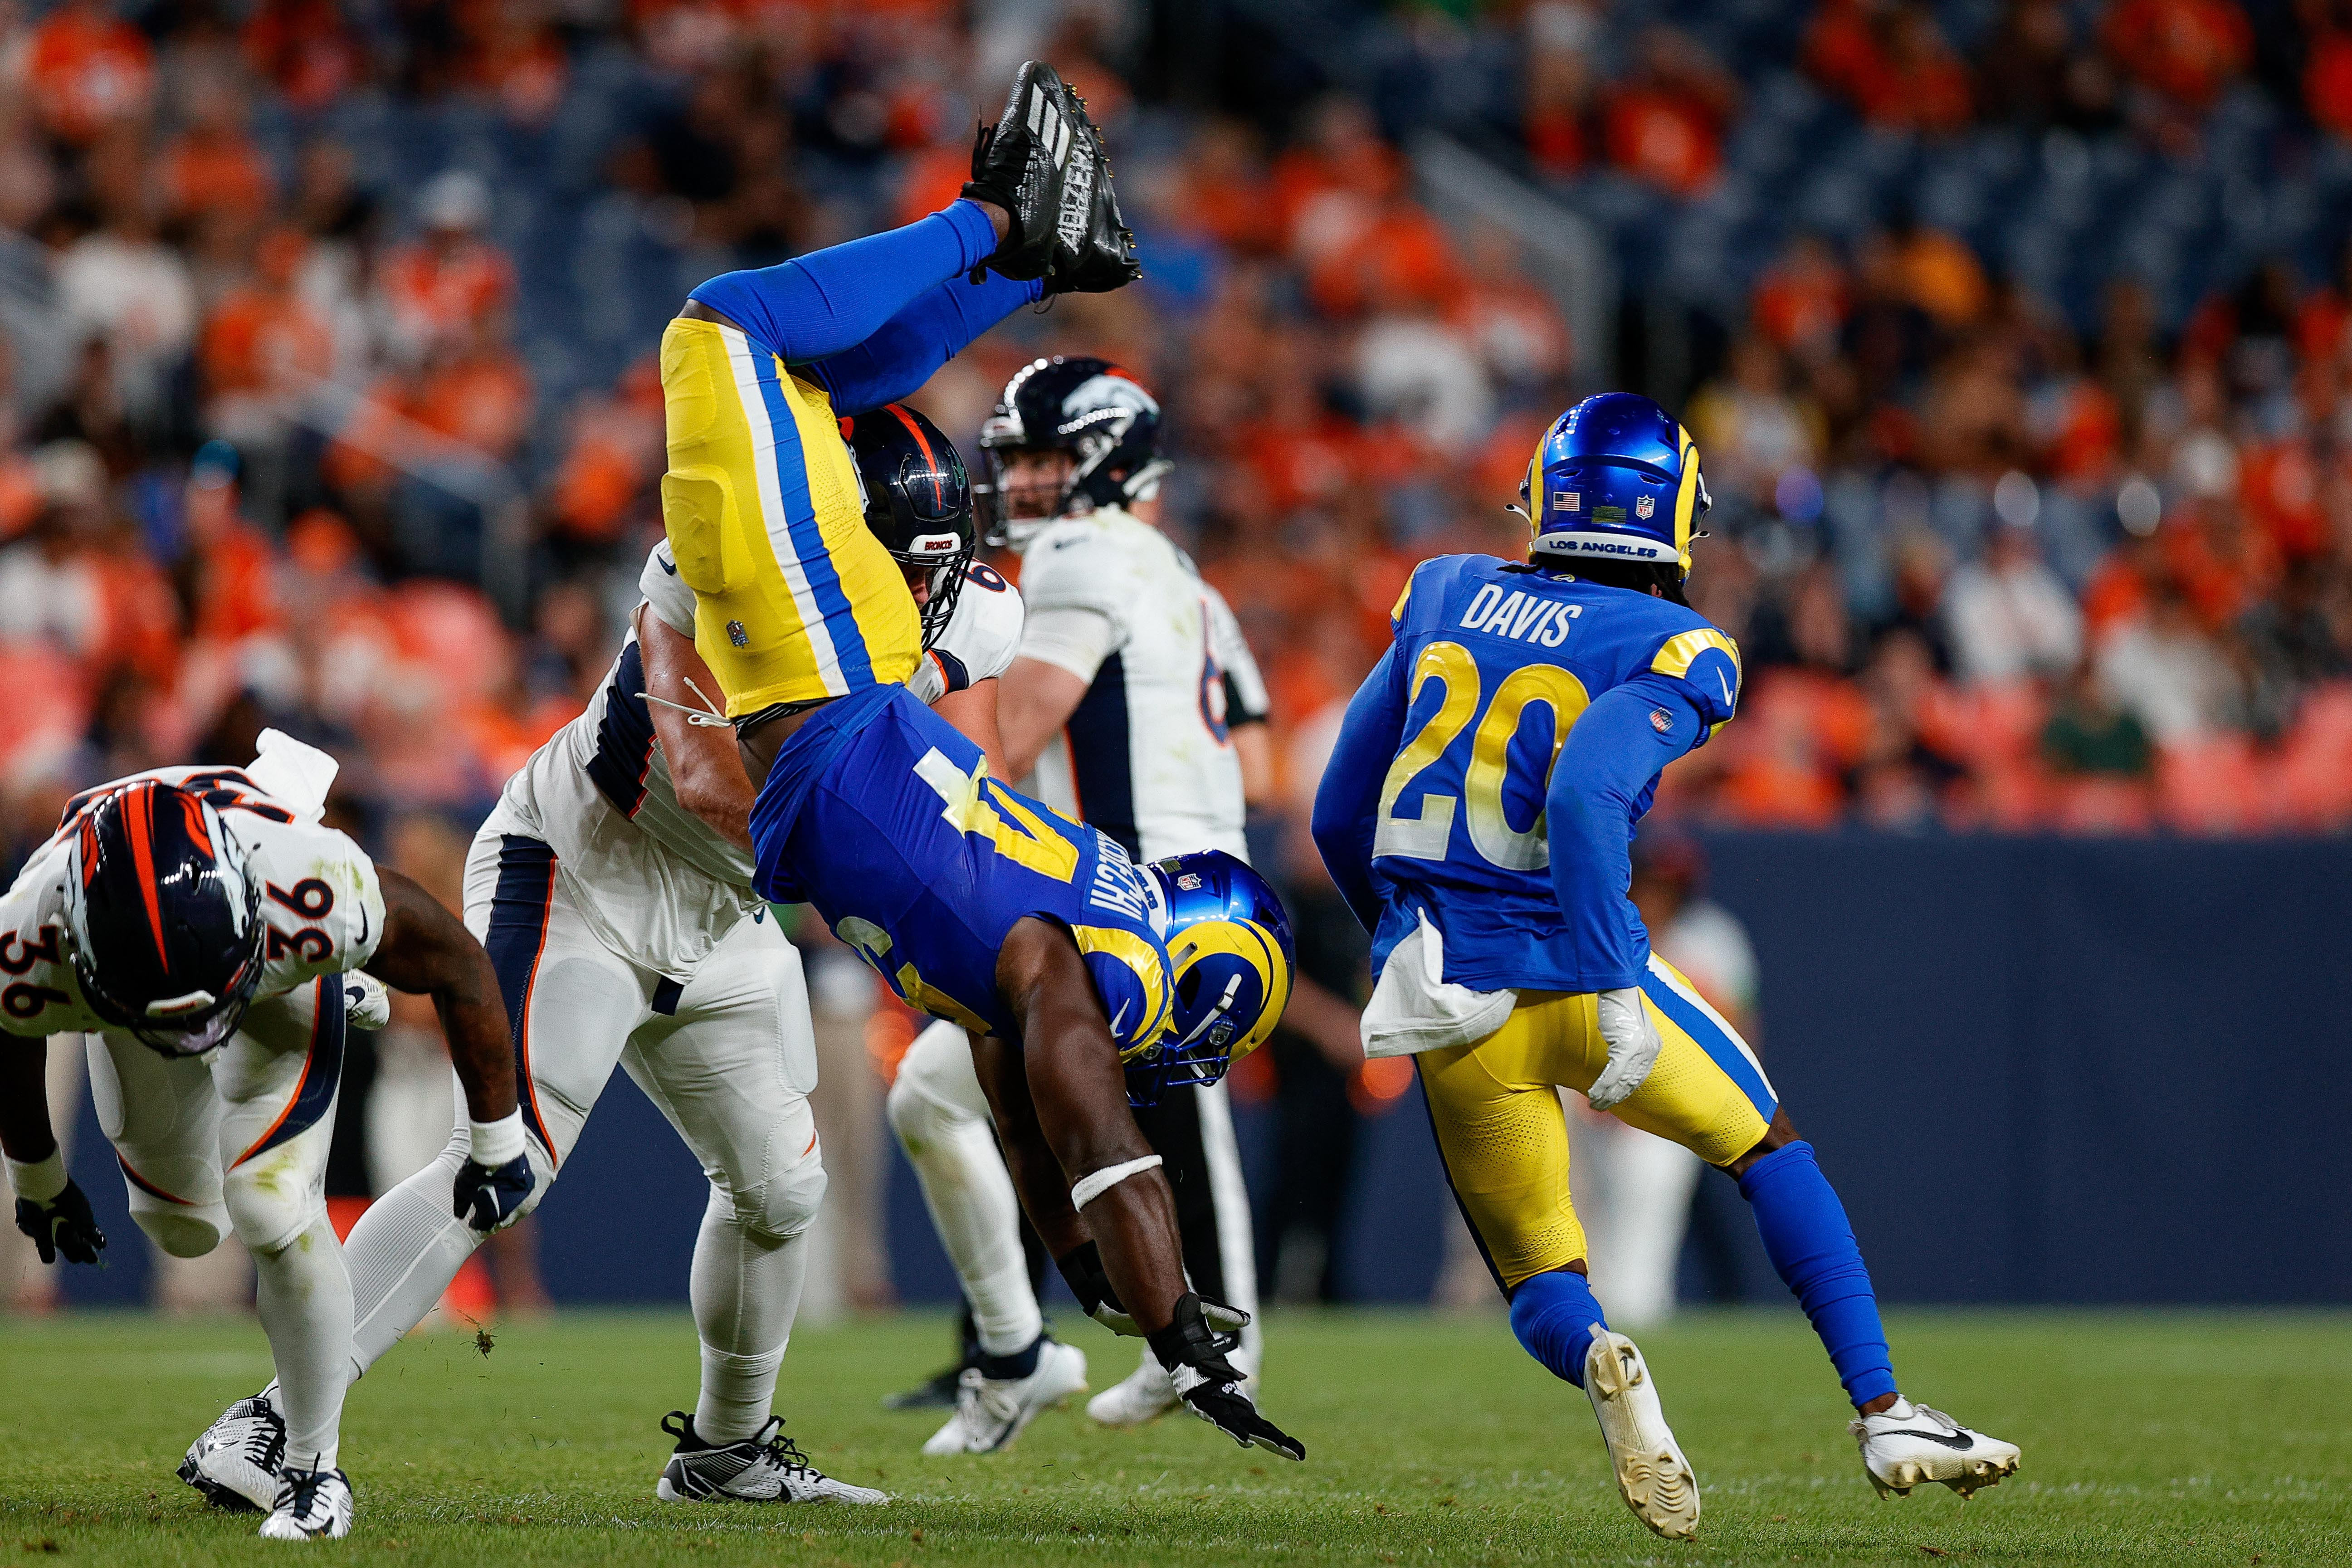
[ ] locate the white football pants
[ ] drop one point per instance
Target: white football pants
(729, 1058)
(942, 1117)
(239, 1140)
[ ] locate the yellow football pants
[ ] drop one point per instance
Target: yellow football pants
(1503, 1133)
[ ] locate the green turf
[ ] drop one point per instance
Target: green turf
(2201, 1438)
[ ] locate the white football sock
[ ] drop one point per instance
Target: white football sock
(404, 1252)
(746, 1289)
(979, 1219)
(304, 1297)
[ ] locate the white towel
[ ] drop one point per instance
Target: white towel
(1415, 1009)
(293, 774)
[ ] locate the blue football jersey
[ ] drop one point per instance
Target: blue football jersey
(1493, 663)
(882, 815)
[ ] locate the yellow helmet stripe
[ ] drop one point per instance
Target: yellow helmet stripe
(1141, 957)
(1686, 498)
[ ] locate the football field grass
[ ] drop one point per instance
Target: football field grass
(2149, 1438)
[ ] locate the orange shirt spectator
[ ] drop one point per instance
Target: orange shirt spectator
(206, 169)
(2186, 49)
(1401, 260)
(264, 339)
(617, 444)
(1664, 136)
(482, 399)
(304, 46)
(2327, 82)
(438, 289)
(1801, 301)
(933, 178)
(88, 70)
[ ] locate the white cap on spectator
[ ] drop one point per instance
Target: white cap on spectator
(455, 198)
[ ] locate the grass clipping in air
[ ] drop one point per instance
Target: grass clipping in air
(2176, 1438)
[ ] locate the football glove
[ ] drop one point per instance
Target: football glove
(1194, 1358)
(63, 1224)
(1081, 1270)
(492, 1199)
(1634, 1046)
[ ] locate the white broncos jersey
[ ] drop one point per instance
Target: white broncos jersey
(321, 904)
(1146, 756)
(658, 886)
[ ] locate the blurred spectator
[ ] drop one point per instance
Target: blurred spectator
(1664, 122)
(1891, 62)
(2009, 616)
(2186, 51)
(2163, 669)
(122, 283)
(88, 70)
(444, 283)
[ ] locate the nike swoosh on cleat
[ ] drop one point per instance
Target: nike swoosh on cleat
(1963, 1442)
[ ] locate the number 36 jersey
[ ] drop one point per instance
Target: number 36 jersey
(320, 902)
(1492, 664)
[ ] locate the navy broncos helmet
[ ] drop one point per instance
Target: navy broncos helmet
(164, 918)
(1615, 479)
(918, 500)
(1091, 408)
(1230, 941)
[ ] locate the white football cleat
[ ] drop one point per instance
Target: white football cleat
(1906, 1443)
(1144, 1395)
(313, 1505)
(235, 1462)
(1653, 1477)
(991, 1412)
(767, 1467)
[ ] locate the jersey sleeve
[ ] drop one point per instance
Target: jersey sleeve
(322, 903)
(1246, 696)
(1705, 664)
(38, 993)
(984, 633)
(1080, 566)
(666, 592)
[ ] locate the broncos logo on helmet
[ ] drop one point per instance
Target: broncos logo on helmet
(163, 918)
(1230, 942)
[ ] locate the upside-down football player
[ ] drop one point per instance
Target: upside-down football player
(1072, 966)
(1478, 813)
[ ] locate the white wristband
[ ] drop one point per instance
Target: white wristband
(1090, 1188)
(40, 1181)
(496, 1142)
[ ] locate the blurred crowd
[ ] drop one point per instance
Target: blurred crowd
(326, 398)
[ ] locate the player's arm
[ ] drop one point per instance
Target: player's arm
(51, 1208)
(1348, 801)
(428, 950)
(1079, 1118)
(1062, 646)
(1615, 749)
(705, 767)
(972, 712)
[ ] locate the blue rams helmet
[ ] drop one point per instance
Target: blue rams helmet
(163, 916)
(1614, 478)
(1229, 942)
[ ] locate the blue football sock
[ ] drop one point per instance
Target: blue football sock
(1554, 1315)
(1813, 1249)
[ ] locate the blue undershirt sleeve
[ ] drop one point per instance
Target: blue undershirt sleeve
(909, 348)
(830, 299)
(1614, 751)
(1347, 802)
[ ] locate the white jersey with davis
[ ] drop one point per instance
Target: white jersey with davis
(1145, 757)
(320, 902)
(657, 886)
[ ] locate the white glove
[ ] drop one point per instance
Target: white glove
(1633, 1045)
(366, 1003)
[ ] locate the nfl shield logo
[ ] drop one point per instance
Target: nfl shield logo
(1643, 507)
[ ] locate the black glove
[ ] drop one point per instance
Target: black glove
(1081, 1270)
(487, 1199)
(1103, 258)
(1022, 164)
(64, 1224)
(1194, 1357)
